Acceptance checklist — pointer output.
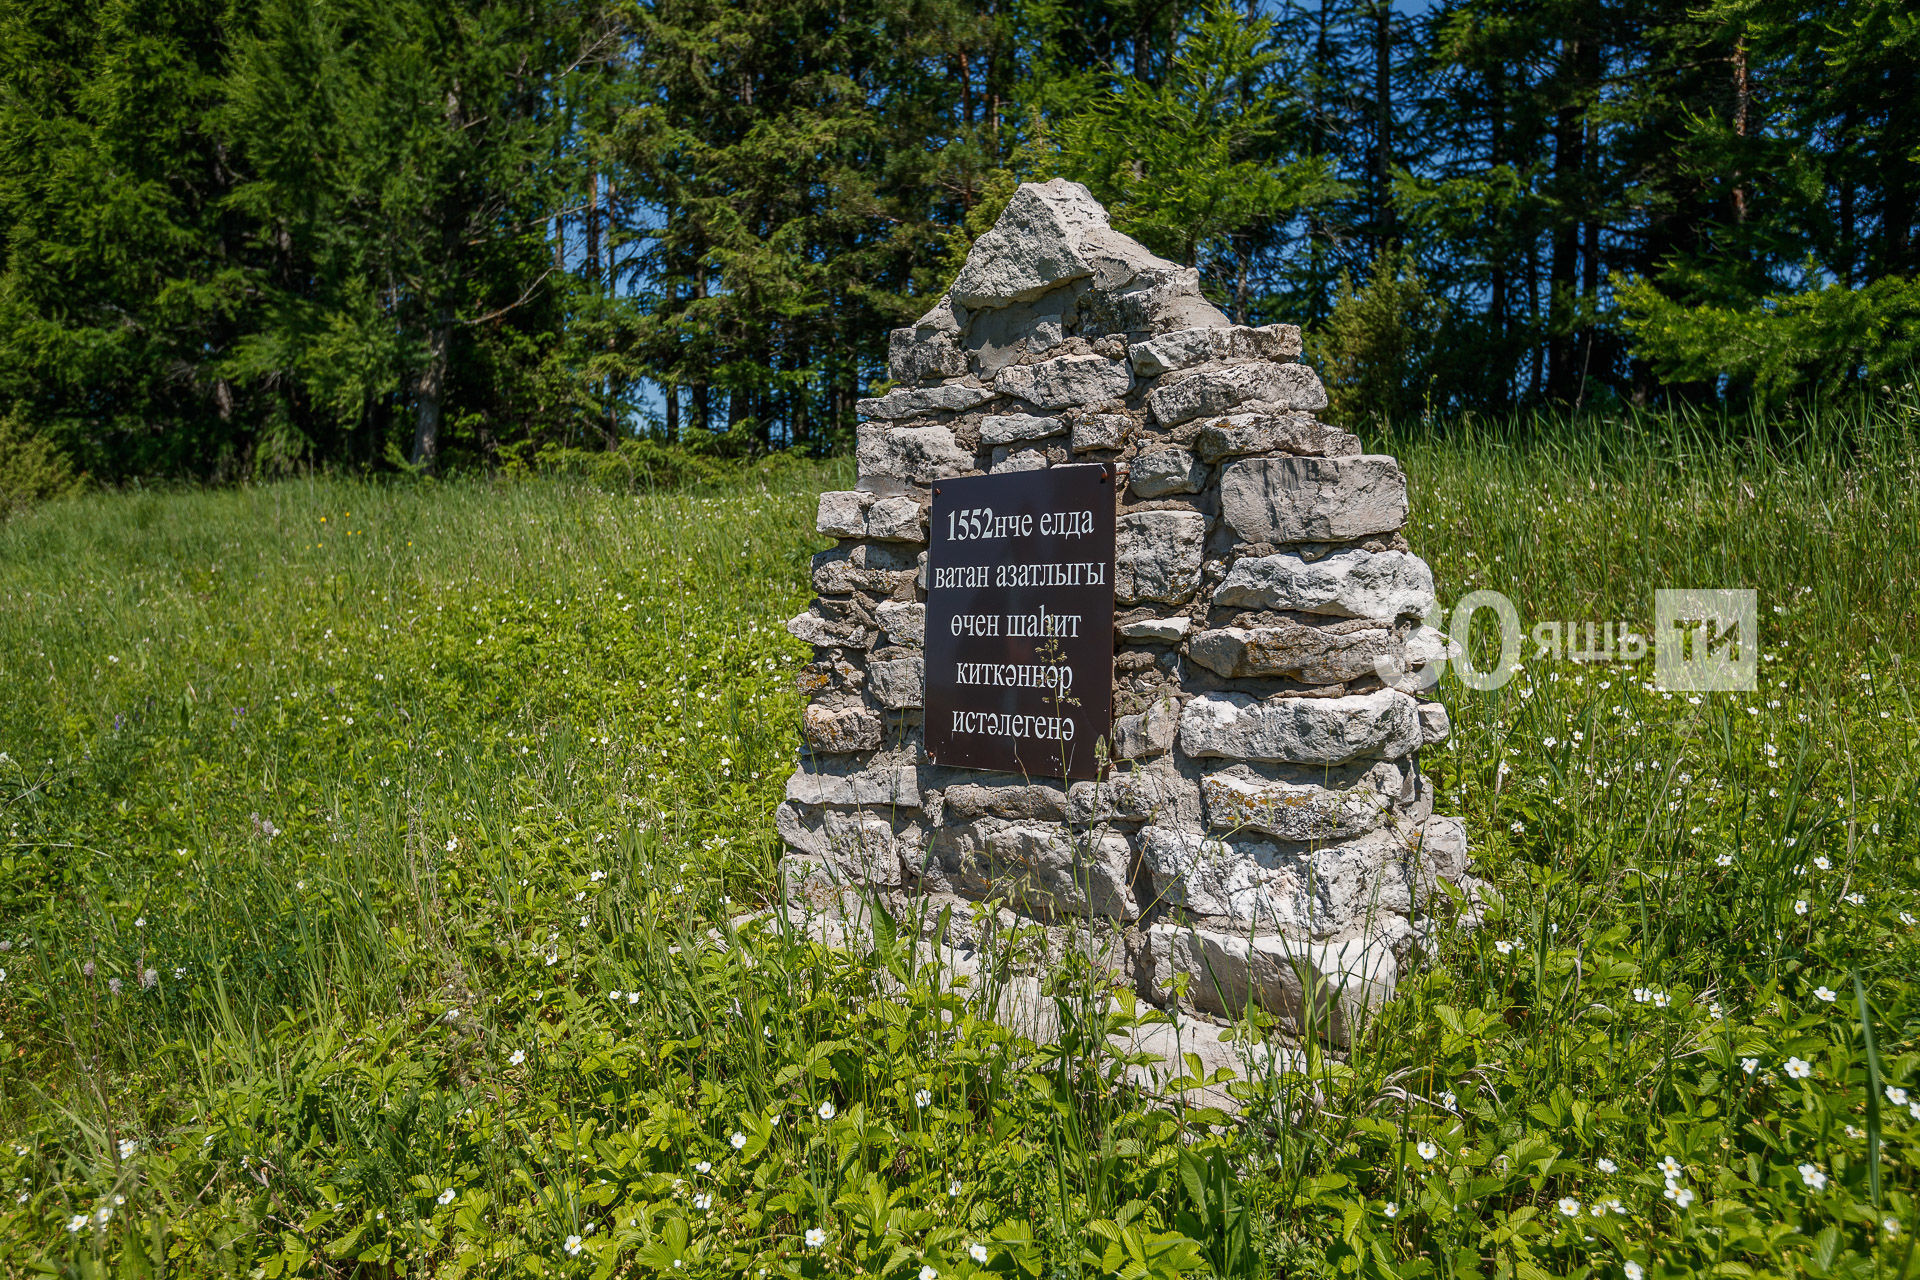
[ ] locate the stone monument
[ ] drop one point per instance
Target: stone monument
(1261, 831)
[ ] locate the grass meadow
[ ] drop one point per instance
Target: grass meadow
(370, 852)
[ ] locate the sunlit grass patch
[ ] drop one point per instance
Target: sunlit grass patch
(371, 854)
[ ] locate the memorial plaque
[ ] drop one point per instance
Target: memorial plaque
(1019, 640)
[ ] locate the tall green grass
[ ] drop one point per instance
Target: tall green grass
(385, 785)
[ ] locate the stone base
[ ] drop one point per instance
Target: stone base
(1317, 987)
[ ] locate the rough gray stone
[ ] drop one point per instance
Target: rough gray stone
(1275, 387)
(1239, 799)
(899, 683)
(1155, 791)
(1255, 884)
(897, 520)
(862, 846)
(904, 622)
(1382, 585)
(842, 514)
(1158, 556)
(1012, 427)
(811, 628)
(1268, 342)
(1155, 475)
(1032, 246)
(1283, 500)
(1066, 381)
(1046, 869)
(839, 730)
(833, 780)
(909, 402)
(920, 455)
(1442, 847)
(1320, 989)
(1155, 630)
(1136, 293)
(790, 823)
(1311, 655)
(930, 349)
(1025, 801)
(1184, 348)
(1000, 336)
(1149, 733)
(1180, 349)
(1007, 458)
(1435, 727)
(880, 568)
(1100, 431)
(1382, 724)
(1296, 433)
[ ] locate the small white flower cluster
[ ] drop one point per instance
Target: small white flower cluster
(1673, 1172)
(1652, 995)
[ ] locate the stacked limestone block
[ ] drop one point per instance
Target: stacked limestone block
(1266, 830)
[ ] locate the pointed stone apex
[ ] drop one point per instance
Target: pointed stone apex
(1034, 246)
(1051, 270)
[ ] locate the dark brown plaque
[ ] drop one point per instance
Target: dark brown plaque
(1020, 621)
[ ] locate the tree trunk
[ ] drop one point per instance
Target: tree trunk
(673, 412)
(433, 384)
(1569, 165)
(1742, 97)
(1383, 125)
(1497, 295)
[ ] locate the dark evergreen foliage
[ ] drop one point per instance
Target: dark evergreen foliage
(251, 236)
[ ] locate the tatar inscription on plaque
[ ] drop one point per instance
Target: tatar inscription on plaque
(1019, 639)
